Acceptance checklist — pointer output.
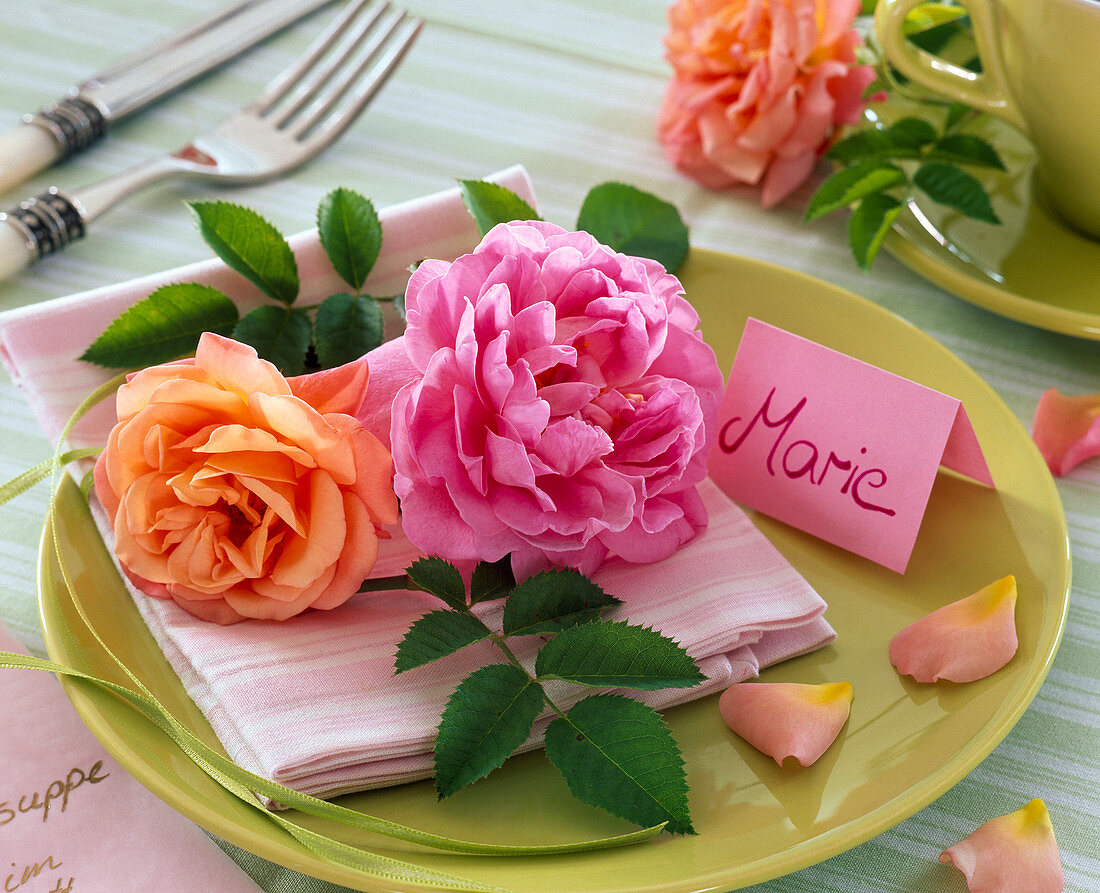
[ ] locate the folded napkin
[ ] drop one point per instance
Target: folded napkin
(72, 818)
(312, 702)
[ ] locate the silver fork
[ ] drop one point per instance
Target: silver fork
(295, 117)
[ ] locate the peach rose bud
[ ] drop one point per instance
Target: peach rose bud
(787, 719)
(963, 641)
(1016, 852)
(1067, 429)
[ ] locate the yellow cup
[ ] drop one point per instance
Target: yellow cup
(1040, 72)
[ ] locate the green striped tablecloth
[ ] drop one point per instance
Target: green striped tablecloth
(569, 89)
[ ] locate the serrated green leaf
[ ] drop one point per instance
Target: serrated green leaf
(162, 327)
(553, 600)
(440, 578)
(869, 144)
(280, 335)
(435, 635)
(635, 222)
(911, 132)
(619, 655)
(351, 234)
(346, 327)
(956, 113)
(965, 148)
(489, 715)
(617, 754)
(931, 15)
(491, 580)
(251, 246)
(869, 224)
(491, 203)
(954, 187)
(851, 184)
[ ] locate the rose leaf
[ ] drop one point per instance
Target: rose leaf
(851, 184)
(553, 600)
(280, 335)
(491, 580)
(491, 203)
(635, 222)
(162, 327)
(251, 246)
(965, 148)
(440, 578)
(489, 715)
(347, 326)
(617, 754)
(869, 225)
(435, 635)
(350, 233)
(954, 187)
(618, 654)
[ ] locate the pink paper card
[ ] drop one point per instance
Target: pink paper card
(837, 447)
(73, 821)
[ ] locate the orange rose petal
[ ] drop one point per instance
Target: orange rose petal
(237, 367)
(343, 389)
(963, 641)
(1016, 852)
(787, 719)
(1067, 429)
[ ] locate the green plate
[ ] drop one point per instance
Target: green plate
(1032, 267)
(904, 745)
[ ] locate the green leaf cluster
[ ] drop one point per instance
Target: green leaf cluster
(623, 217)
(879, 171)
(614, 752)
(168, 323)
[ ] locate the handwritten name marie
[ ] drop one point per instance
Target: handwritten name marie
(798, 457)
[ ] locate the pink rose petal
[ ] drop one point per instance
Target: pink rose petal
(1067, 429)
(963, 641)
(787, 719)
(1016, 853)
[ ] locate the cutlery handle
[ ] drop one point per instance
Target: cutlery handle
(39, 226)
(24, 151)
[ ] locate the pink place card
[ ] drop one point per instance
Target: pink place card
(835, 446)
(73, 821)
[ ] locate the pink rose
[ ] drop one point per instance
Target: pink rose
(241, 494)
(563, 408)
(758, 89)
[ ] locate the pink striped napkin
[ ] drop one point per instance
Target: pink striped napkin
(313, 702)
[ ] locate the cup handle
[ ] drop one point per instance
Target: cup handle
(986, 92)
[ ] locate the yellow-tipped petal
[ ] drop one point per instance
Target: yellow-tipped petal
(963, 641)
(1016, 853)
(787, 719)
(1067, 429)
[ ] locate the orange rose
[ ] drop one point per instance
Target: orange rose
(758, 89)
(241, 494)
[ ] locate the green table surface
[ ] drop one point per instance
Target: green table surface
(569, 89)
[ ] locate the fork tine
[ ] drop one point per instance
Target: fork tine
(286, 80)
(366, 73)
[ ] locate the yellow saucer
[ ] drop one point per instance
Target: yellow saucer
(1032, 267)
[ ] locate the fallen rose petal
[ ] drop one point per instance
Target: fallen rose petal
(787, 719)
(1016, 853)
(963, 641)
(1067, 429)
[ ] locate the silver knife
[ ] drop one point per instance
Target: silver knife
(70, 125)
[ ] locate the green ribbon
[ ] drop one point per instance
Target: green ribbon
(245, 785)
